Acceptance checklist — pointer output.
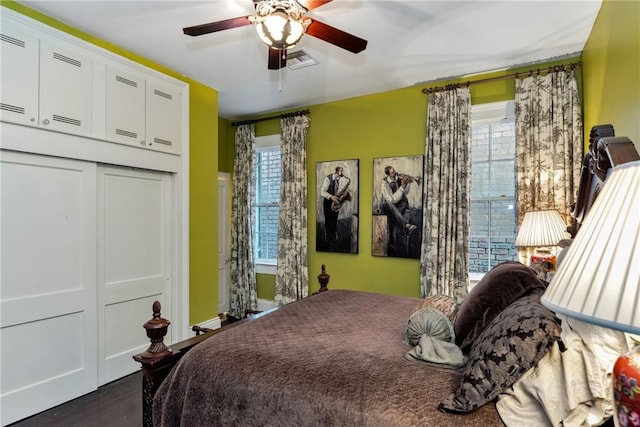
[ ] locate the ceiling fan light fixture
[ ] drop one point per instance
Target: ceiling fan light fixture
(280, 23)
(280, 31)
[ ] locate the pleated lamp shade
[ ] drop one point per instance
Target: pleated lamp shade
(598, 280)
(541, 228)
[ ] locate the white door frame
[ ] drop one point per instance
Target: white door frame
(224, 240)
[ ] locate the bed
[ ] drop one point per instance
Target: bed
(339, 358)
(346, 358)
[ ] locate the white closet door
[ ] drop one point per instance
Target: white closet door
(134, 263)
(47, 282)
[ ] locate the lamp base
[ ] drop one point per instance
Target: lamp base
(626, 389)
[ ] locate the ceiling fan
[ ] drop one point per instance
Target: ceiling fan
(281, 24)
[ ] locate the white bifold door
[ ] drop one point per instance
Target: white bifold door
(134, 263)
(47, 282)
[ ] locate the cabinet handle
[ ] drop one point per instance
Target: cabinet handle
(33, 119)
(45, 122)
(142, 142)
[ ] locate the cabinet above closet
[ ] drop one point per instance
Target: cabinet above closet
(58, 83)
(141, 111)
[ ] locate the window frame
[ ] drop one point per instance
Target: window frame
(493, 113)
(264, 143)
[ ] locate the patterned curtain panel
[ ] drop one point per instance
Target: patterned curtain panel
(548, 142)
(292, 276)
(243, 277)
(444, 261)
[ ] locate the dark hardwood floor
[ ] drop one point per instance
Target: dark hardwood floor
(118, 403)
(115, 404)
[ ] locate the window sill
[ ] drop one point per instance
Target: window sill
(264, 268)
(474, 278)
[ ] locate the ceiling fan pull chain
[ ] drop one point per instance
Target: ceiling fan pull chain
(281, 55)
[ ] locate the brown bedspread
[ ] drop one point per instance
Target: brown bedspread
(333, 359)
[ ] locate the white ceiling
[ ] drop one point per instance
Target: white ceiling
(409, 42)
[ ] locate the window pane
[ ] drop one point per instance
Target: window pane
(267, 203)
(502, 179)
(268, 176)
(480, 136)
(479, 218)
(493, 220)
(479, 179)
(493, 229)
(502, 141)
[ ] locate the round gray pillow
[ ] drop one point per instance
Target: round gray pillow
(431, 322)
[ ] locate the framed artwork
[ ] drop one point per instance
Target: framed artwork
(397, 206)
(337, 206)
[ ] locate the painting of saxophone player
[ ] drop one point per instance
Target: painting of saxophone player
(397, 206)
(337, 206)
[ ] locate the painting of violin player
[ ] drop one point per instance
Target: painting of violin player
(397, 210)
(337, 207)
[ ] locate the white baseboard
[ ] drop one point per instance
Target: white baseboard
(211, 324)
(265, 304)
(216, 323)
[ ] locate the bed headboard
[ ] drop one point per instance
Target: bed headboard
(606, 151)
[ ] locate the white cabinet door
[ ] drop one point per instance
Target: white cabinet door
(125, 107)
(164, 118)
(134, 263)
(66, 88)
(47, 282)
(19, 84)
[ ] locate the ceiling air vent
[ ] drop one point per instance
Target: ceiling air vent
(299, 59)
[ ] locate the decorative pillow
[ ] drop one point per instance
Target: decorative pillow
(430, 333)
(540, 271)
(443, 303)
(502, 285)
(511, 344)
(428, 321)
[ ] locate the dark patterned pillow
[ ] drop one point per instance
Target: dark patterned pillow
(502, 285)
(513, 343)
(443, 303)
(540, 271)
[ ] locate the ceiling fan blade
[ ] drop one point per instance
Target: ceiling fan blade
(212, 27)
(336, 37)
(312, 4)
(277, 58)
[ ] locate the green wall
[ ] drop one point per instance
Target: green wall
(612, 70)
(203, 203)
(380, 125)
(226, 145)
(203, 141)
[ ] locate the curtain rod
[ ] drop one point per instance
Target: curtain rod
(552, 69)
(281, 116)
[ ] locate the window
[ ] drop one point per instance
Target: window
(267, 176)
(493, 187)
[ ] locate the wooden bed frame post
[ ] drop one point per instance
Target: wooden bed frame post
(152, 376)
(323, 279)
(158, 360)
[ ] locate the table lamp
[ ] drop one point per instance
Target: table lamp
(598, 280)
(539, 230)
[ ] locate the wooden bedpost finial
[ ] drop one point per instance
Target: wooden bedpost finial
(156, 330)
(323, 278)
